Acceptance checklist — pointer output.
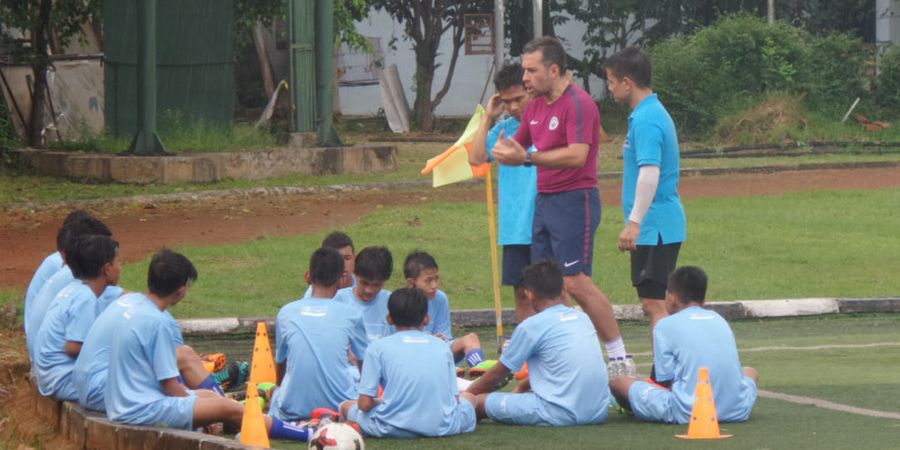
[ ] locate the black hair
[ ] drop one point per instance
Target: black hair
(326, 266)
(169, 271)
(544, 280)
(631, 62)
(337, 240)
(408, 307)
(75, 230)
(416, 262)
(509, 76)
(89, 254)
(73, 217)
(552, 51)
(374, 263)
(688, 283)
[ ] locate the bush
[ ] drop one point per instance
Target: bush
(836, 73)
(888, 87)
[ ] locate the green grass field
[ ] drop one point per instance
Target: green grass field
(854, 364)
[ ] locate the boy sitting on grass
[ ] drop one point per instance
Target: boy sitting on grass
(143, 386)
(567, 382)
(341, 242)
(95, 263)
(689, 338)
(372, 269)
(312, 336)
(420, 394)
(421, 271)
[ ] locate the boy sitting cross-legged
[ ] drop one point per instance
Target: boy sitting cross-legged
(143, 386)
(567, 382)
(312, 336)
(417, 371)
(689, 338)
(373, 268)
(421, 271)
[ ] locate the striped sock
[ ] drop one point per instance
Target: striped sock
(474, 357)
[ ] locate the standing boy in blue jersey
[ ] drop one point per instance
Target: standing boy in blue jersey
(516, 185)
(96, 264)
(655, 221)
(312, 336)
(143, 386)
(373, 268)
(421, 272)
(418, 374)
(689, 338)
(567, 379)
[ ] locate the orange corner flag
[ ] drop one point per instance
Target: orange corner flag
(253, 427)
(452, 165)
(704, 420)
(262, 369)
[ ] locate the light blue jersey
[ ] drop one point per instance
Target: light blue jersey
(652, 140)
(51, 264)
(439, 316)
(312, 337)
(516, 191)
(420, 393)
(565, 367)
(693, 338)
(92, 366)
(141, 355)
(374, 312)
(69, 318)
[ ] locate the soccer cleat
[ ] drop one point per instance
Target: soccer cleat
(460, 372)
(213, 362)
(522, 374)
(482, 368)
(322, 413)
(228, 376)
(265, 390)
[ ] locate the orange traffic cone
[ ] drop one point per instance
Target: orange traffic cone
(253, 428)
(262, 369)
(704, 421)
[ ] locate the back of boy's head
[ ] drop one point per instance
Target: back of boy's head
(416, 262)
(688, 284)
(374, 263)
(169, 271)
(82, 224)
(408, 307)
(326, 267)
(337, 240)
(510, 75)
(544, 280)
(631, 62)
(89, 254)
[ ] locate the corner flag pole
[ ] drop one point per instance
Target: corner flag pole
(495, 266)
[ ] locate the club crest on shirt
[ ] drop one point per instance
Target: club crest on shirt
(554, 122)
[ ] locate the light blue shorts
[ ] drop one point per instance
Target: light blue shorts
(651, 403)
(171, 412)
(529, 409)
(463, 421)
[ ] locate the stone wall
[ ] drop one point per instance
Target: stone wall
(208, 167)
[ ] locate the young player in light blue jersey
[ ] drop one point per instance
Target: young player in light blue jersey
(341, 242)
(312, 336)
(567, 379)
(655, 223)
(96, 264)
(516, 185)
(417, 371)
(143, 386)
(689, 338)
(373, 268)
(421, 272)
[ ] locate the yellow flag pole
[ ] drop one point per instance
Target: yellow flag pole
(495, 265)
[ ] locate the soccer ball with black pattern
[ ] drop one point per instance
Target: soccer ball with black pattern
(336, 436)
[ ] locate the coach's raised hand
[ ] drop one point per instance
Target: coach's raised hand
(508, 151)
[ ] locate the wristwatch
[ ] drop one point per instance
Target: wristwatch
(527, 162)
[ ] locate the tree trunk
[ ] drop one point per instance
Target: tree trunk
(39, 67)
(423, 109)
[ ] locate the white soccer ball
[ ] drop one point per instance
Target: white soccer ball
(336, 436)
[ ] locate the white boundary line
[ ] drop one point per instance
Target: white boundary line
(803, 348)
(825, 404)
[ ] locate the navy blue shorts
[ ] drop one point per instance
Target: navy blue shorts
(564, 228)
(515, 259)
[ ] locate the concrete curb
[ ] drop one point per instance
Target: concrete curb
(733, 310)
(256, 193)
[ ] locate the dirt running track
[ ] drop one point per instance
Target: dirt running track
(26, 237)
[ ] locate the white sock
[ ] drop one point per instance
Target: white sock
(615, 348)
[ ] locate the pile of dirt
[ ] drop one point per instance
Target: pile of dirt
(771, 121)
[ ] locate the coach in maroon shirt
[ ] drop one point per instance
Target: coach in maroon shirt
(563, 123)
